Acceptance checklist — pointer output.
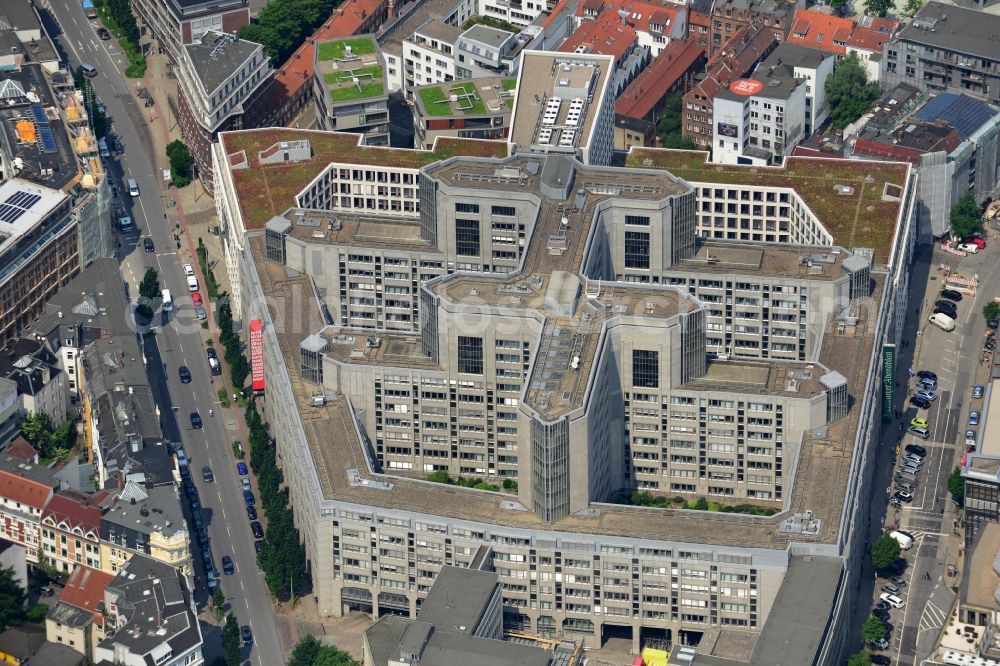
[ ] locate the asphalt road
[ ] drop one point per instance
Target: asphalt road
(955, 358)
(180, 342)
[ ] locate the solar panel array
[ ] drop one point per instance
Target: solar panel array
(45, 134)
(17, 205)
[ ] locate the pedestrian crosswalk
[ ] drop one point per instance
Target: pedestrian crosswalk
(932, 617)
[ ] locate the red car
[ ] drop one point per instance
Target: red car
(979, 242)
(196, 298)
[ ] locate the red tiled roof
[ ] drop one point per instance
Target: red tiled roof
(834, 34)
(606, 35)
(19, 489)
(85, 588)
(22, 450)
(748, 45)
(346, 20)
(555, 12)
(640, 14)
(76, 510)
(650, 87)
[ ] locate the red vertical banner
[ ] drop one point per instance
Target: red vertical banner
(257, 356)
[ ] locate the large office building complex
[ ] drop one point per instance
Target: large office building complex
(573, 333)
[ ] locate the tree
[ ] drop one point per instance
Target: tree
(218, 604)
(36, 428)
(181, 162)
(231, 641)
(956, 485)
(150, 285)
(310, 652)
(11, 599)
(884, 551)
(37, 613)
(878, 7)
(965, 216)
(872, 630)
(668, 128)
(913, 6)
(849, 91)
(991, 311)
(863, 658)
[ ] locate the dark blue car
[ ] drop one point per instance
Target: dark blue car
(248, 498)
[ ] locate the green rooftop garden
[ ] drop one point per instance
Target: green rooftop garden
(508, 84)
(860, 219)
(265, 191)
(437, 102)
(337, 50)
(342, 86)
(492, 23)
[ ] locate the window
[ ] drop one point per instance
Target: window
(467, 238)
(636, 249)
(645, 368)
(504, 210)
(466, 208)
(470, 355)
(637, 220)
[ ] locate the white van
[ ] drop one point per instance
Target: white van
(905, 540)
(192, 283)
(133, 187)
(943, 321)
(88, 70)
(168, 302)
(891, 599)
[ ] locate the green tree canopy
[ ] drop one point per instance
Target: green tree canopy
(11, 599)
(310, 652)
(668, 128)
(878, 7)
(283, 25)
(872, 630)
(231, 641)
(956, 485)
(150, 285)
(181, 162)
(849, 91)
(965, 216)
(991, 310)
(884, 551)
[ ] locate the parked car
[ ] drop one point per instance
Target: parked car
(245, 482)
(199, 313)
(196, 298)
(206, 473)
(927, 384)
(946, 310)
(974, 417)
(904, 496)
(978, 242)
(251, 513)
(257, 529)
(881, 660)
(927, 374)
(188, 269)
(930, 395)
(880, 613)
(916, 448)
(993, 323)
(241, 467)
(249, 498)
(977, 391)
(103, 34)
(897, 581)
(922, 433)
(951, 295)
(212, 353)
(918, 422)
(258, 546)
(920, 403)
(880, 644)
(970, 438)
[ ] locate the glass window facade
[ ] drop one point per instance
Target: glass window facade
(470, 355)
(467, 238)
(636, 249)
(645, 368)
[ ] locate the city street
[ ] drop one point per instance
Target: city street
(181, 342)
(930, 517)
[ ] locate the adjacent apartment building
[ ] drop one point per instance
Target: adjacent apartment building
(947, 48)
(350, 87)
(472, 109)
(219, 80)
(175, 23)
(558, 325)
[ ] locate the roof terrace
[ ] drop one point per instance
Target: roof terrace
(864, 217)
(351, 68)
(463, 99)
